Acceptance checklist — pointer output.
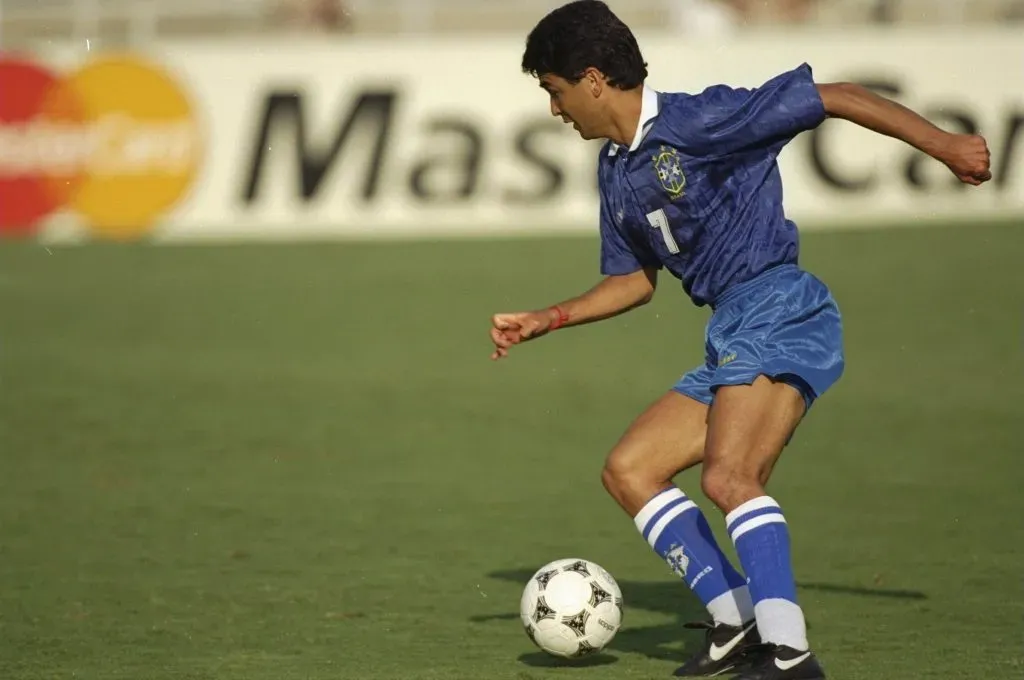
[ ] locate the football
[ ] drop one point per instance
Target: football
(571, 608)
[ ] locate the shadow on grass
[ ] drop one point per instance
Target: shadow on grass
(666, 642)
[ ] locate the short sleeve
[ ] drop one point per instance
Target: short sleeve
(739, 119)
(618, 255)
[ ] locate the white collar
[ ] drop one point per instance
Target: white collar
(648, 111)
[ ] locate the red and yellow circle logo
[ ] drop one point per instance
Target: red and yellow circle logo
(115, 141)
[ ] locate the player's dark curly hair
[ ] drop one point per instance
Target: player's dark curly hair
(580, 35)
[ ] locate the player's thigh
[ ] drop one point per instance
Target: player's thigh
(748, 427)
(667, 438)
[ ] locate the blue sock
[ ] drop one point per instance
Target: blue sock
(678, 531)
(761, 537)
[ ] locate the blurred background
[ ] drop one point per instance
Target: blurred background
(118, 22)
(249, 251)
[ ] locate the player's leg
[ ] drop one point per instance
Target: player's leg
(784, 343)
(664, 440)
(748, 427)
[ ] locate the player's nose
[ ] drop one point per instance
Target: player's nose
(555, 111)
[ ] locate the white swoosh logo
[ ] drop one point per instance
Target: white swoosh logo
(718, 652)
(792, 663)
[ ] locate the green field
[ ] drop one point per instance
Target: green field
(272, 462)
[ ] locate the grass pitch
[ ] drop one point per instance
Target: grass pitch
(274, 462)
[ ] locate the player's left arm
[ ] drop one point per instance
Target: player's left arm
(967, 156)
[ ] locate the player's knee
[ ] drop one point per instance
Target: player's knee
(728, 487)
(619, 474)
(628, 481)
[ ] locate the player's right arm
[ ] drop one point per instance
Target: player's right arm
(631, 275)
(612, 296)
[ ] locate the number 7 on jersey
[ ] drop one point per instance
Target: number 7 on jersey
(659, 220)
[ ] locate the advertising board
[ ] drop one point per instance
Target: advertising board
(301, 138)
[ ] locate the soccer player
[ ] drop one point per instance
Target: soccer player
(689, 183)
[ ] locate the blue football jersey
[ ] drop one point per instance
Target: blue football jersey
(698, 192)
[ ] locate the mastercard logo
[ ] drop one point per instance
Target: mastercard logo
(115, 141)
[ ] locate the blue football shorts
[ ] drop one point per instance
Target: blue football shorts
(783, 324)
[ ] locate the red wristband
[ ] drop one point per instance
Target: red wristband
(560, 319)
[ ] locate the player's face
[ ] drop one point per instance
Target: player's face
(573, 103)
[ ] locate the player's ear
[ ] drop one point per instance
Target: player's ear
(595, 81)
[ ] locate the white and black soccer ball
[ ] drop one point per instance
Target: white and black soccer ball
(571, 608)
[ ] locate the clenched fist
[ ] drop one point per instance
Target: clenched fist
(512, 329)
(967, 156)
